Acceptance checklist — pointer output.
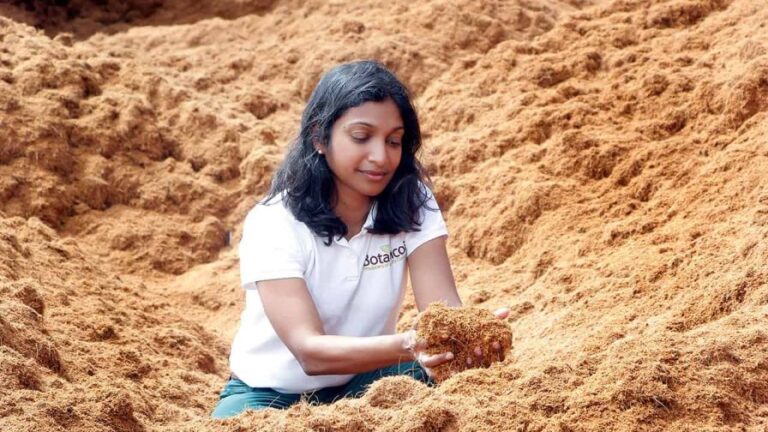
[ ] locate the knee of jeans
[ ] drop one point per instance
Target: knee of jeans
(232, 387)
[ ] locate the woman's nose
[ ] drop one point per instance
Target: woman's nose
(378, 151)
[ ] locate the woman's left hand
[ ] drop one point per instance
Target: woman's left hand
(501, 313)
(417, 347)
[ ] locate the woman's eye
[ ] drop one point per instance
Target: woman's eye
(395, 142)
(359, 138)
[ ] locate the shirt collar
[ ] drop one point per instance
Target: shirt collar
(367, 226)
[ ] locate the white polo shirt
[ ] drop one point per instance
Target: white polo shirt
(357, 286)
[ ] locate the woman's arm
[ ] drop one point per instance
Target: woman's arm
(292, 313)
(431, 274)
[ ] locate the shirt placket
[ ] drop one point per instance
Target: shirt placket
(351, 260)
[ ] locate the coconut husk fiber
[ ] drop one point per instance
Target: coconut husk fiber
(460, 331)
(601, 166)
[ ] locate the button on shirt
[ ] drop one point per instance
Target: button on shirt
(357, 287)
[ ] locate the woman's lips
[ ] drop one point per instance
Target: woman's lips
(374, 175)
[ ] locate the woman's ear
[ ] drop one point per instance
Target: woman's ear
(319, 147)
(316, 142)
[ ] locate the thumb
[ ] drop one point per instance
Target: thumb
(501, 313)
(430, 361)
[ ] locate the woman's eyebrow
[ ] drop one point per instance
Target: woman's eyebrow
(372, 126)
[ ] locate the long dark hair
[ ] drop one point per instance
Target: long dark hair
(306, 182)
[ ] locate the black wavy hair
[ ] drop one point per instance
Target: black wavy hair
(305, 180)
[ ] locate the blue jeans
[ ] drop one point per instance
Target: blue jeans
(237, 396)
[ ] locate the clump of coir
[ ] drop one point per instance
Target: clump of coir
(395, 392)
(460, 331)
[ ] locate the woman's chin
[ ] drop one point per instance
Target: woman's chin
(371, 189)
(372, 192)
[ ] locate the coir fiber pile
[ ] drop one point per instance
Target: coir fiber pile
(601, 164)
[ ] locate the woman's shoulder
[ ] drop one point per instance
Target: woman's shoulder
(272, 215)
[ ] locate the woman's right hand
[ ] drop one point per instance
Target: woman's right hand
(417, 347)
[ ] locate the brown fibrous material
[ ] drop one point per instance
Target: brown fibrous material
(461, 330)
(601, 166)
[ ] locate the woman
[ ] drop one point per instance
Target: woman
(323, 258)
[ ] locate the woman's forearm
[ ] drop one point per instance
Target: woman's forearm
(337, 355)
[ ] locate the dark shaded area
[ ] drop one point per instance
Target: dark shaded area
(56, 13)
(83, 18)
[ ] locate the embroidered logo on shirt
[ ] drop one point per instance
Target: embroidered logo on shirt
(387, 256)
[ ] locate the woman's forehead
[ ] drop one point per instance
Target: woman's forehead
(377, 115)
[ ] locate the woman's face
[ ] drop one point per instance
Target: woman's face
(365, 150)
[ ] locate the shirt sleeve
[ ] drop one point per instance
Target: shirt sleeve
(432, 225)
(271, 247)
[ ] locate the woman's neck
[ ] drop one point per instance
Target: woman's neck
(352, 209)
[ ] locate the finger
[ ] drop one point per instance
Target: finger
(496, 346)
(479, 352)
(469, 361)
(501, 313)
(430, 361)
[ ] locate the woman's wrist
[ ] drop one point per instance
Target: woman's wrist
(409, 341)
